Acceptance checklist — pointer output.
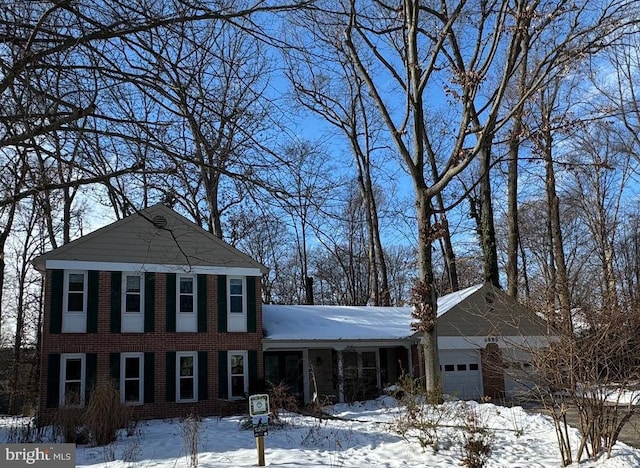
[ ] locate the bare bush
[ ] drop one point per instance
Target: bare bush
(105, 414)
(134, 448)
(423, 418)
(595, 375)
(280, 400)
(477, 439)
(190, 429)
(68, 425)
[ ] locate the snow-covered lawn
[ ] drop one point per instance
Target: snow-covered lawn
(362, 437)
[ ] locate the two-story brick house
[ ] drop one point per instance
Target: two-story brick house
(166, 310)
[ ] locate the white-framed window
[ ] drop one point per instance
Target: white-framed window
(132, 302)
(72, 380)
(370, 368)
(237, 303)
(186, 376)
(186, 303)
(238, 374)
(131, 378)
(74, 302)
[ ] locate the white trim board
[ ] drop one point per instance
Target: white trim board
(268, 345)
(150, 267)
(480, 342)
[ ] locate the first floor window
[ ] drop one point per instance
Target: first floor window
(72, 380)
(187, 384)
(131, 381)
(370, 368)
(238, 379)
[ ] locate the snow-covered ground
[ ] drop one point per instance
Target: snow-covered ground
(362, 437)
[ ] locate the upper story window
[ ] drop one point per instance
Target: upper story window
(72, 380)
(133, 302)
(237, 304)
(186, 296)
(74, 306)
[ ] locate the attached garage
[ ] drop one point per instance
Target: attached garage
(461, 373)
(353, 352)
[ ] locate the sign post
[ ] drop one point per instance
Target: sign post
(259, 412)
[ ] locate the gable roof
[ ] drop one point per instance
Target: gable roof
(152, 239)
(326, 323)
(489, 311)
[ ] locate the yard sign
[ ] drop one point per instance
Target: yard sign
(259, 411)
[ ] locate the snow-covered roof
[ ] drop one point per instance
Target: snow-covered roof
(311, 322)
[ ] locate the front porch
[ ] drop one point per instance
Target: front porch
(338, 372)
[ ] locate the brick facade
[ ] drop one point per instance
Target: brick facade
(159, 342)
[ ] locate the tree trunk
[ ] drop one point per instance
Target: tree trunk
(513, 228)
(487, 227)
(562, 286)
(512, 209)
(4, 235)
(447, 246)
(379, 281)
(211, 192)
(424, 295)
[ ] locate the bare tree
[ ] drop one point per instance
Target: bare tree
(326, 83)
(56, 63)
(416, 47)
(304, 190)
(401, 260)
(601, 177)
(24, 248)
(206, 84)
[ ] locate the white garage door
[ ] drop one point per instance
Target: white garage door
(519, 375)
(461, 374)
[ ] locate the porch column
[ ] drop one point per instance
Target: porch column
(340, 377)
(305, 375)
(420, 361)
(410, 360)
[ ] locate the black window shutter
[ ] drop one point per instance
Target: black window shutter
(171, 302)
(53, 380)
(114, 368)
(149, 377)
(57, 294)
(203, 381)
(251, 303)
(222, 303)
(149, 302)
(92, 368)
(253, 369)
(116, 301)
(170, 371)
(202, 303)
(223, 376)
(93, 284)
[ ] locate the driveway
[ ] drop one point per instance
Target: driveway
(630, 433)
